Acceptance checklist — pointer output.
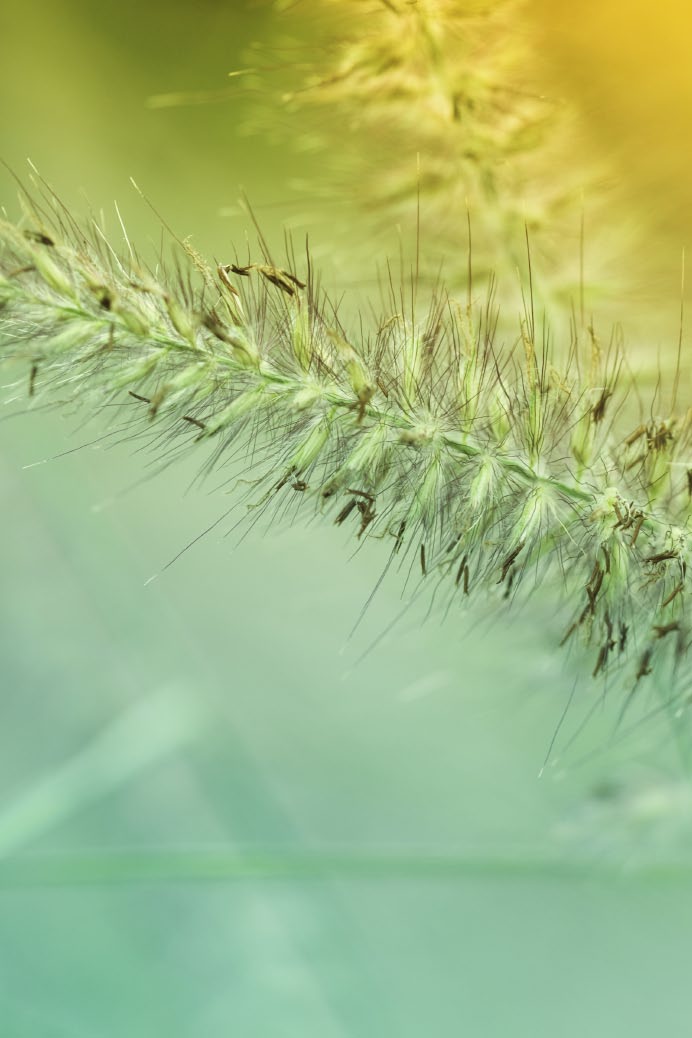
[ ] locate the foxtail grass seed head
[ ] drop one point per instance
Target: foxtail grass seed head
(491, 465)
(440, 108)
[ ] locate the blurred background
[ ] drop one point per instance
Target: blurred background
(218, 811)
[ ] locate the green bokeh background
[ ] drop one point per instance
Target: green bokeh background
(215, 818)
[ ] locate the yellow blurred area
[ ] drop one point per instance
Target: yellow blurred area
(627, 65)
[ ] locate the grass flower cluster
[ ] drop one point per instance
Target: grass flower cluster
(483, 464)
(427, 110)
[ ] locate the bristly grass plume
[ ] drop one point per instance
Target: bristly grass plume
(431, 109)
(492, 467)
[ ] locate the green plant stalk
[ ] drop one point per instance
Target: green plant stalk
(496, 473)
